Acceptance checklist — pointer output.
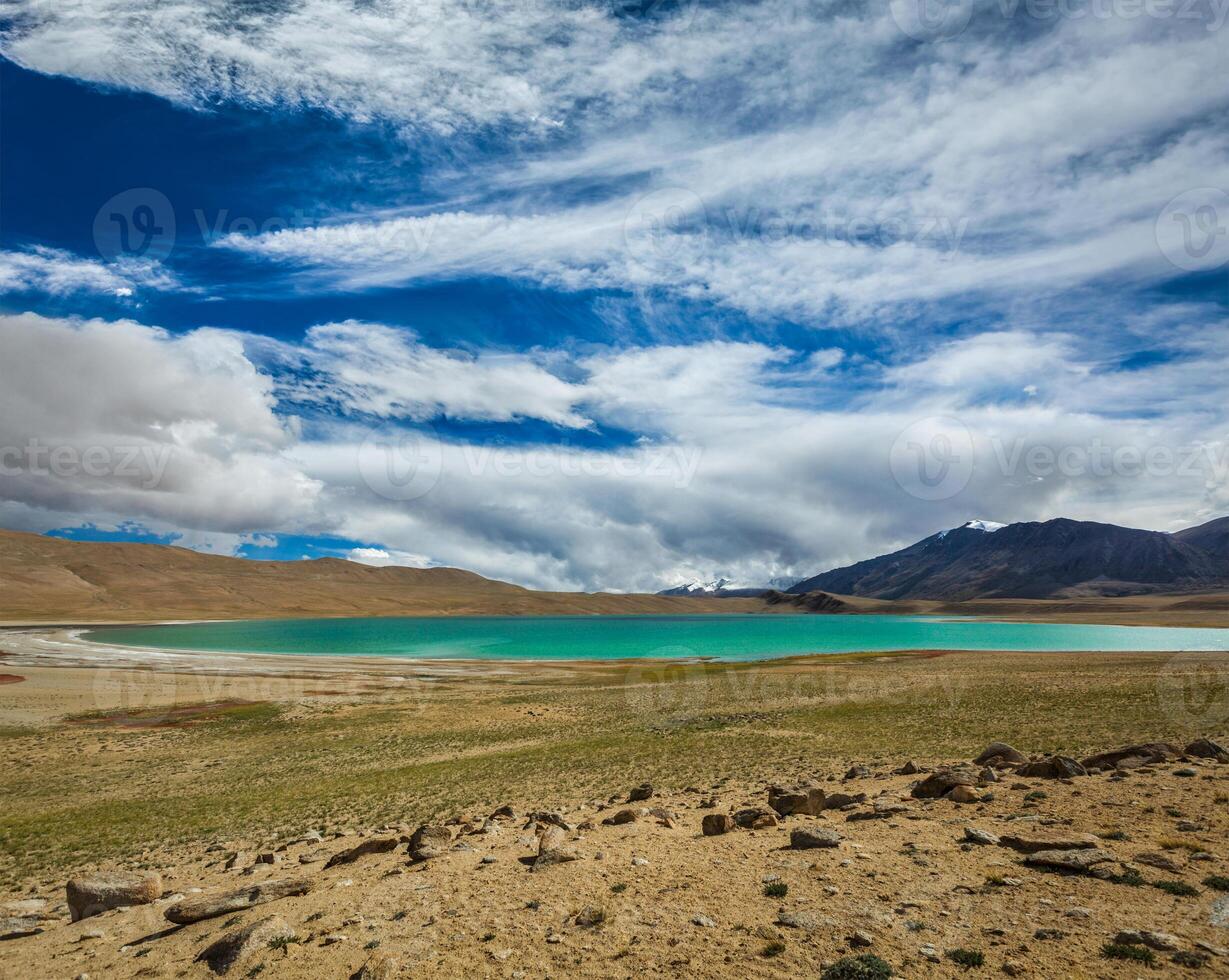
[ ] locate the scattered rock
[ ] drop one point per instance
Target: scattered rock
(1133, 756)
(640, 793)
(1205, 748)
(211, 906)
(939, 784)
(963, 794)
(806, 799)
(1055, 767)
(703, 921)
(975, 836)
(1154, 859)
(998, 754)
(1081, 860)
(717, 823)
(96, 893)
(240, 859)
(755, 818)
(838, 801)
(372, 845)
(429, 842)
(1027, 844)
(805, 838)
(910, 768)
(798, 920)
(20, 926)
(626, 815)
(235, 946)
(553, 848)
(857, 772)
(1162, 941)
(590, 916)
(861, 940)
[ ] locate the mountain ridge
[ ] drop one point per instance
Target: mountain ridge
(1059, 558)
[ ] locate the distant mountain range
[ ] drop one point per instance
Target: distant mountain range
(1060, 558)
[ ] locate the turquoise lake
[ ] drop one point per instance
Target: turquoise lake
(720, 637)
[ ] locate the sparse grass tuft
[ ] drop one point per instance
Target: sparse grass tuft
(968, 958)
(1219, 882)
(1123, 951)
(774, 948)
(1179, 888)
(776, 889)
(864, 967)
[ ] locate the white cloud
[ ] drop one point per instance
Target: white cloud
(59, 273)
(737, 471)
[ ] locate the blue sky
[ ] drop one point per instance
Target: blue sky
(589, 296)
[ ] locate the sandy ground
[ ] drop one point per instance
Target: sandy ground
(174, 765)
(676, 903)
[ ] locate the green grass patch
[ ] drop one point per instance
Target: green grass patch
(864, 967)
(970, 959)
(1123, 951)
(1179, 888)
(776, 889)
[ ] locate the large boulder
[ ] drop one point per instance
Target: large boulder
(430, 841)
(372, 845)
(1000, 754)
(238, 944)
(1133, 756)
(1055, 767)
(211, 906)
(92, 894)
(1205, 748)
(806, 838)
(805, 799)
(942, 782)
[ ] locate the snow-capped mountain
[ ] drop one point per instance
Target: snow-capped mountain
(988, 526)
(701, 588)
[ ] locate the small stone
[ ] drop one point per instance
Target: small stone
(1055, 767)
(627, 815)
(640, 793)
(928, 952)
(857, 772)
(963, 794)
(861, 940)
(640, 862)
(715, 824)
(999, 753)
(805, 838)
(703, 921)
(1186, 773)
(975, 836)
(590, 916)
(939, 784)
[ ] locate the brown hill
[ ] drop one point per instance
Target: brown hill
(46, 580)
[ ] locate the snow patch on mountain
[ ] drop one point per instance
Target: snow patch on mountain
(988, 526)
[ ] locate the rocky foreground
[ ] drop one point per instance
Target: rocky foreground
(1049, 866)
